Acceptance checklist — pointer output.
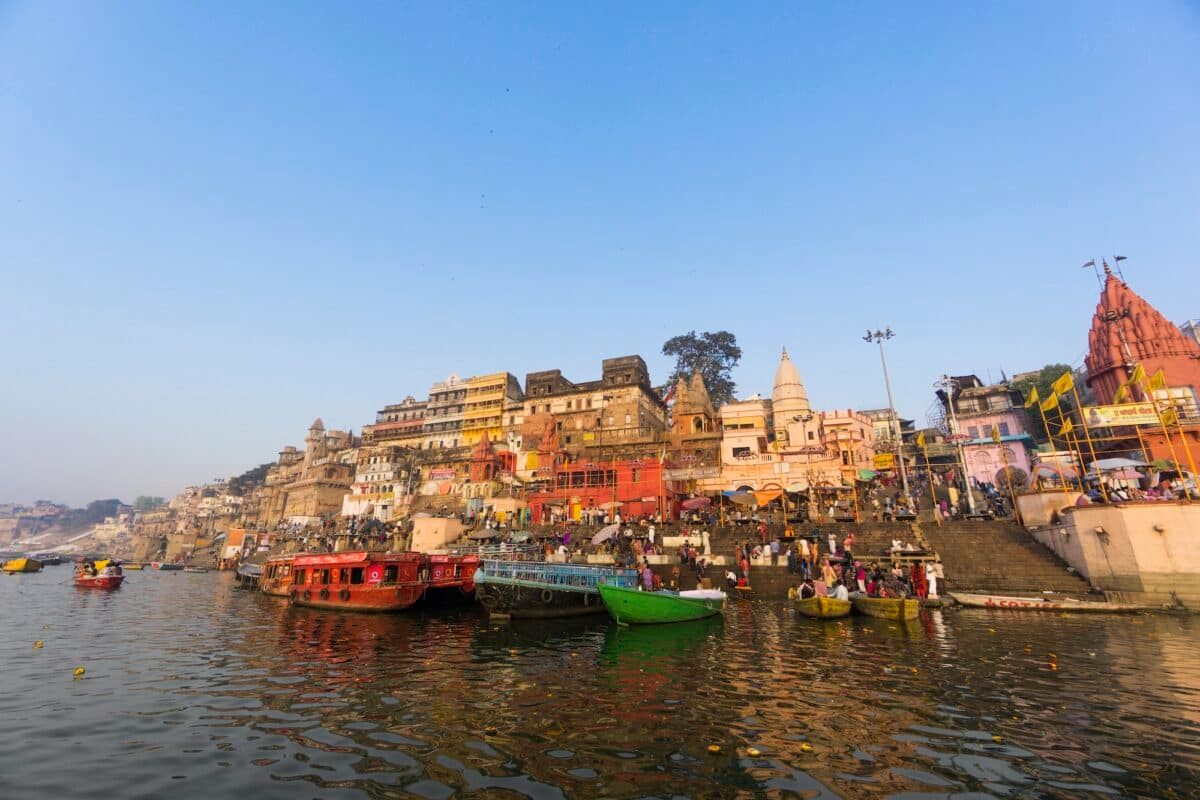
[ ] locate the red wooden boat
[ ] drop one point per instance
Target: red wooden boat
(276, 576)
(99, 581)
(366, 581)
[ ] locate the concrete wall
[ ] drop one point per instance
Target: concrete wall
(1038, 509)
(1148, 553)
(434, 533)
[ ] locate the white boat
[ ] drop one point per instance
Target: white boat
(1058, 604)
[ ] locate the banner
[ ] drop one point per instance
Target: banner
(691, 473)
(441, 474)
(1123, 414)
(885, 461)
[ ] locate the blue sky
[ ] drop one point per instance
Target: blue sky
(220, 220)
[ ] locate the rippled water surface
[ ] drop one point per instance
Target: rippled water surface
(196, 689)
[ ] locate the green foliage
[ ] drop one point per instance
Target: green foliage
(145, 503)
(1042, 379)
(713, 355)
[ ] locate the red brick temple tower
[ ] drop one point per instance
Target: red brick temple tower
(1127, 330)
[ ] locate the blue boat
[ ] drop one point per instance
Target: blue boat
(541, 589)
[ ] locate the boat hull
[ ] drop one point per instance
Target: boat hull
(376, 582)
(166, 567)
(544, 590)
(633, 607)
(133, 566)
(887, 607)
(824, 607)
(18, 565)
(1009, 603)
(378, 600)
(99, 581)
(531, 602)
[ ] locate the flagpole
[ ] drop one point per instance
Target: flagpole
(937, 514)
(1144, 388)
(1182, 435)
(1062, 480)
(1088, 436)
(1007, 474)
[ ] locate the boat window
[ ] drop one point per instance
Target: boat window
(356, 575)
(298, 577)
(389, 574)
(324, 576)
(343, 575)
(285, 570)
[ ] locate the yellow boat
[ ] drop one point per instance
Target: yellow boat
(133, 565)
(823, 607)
(887, 607)
(22, 565)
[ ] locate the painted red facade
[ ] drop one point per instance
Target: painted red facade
(636, 484)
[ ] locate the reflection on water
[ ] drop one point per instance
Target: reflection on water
(196, 689)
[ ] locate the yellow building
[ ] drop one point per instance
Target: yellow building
(483, 409)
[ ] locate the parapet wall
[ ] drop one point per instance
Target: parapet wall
(1146, 552)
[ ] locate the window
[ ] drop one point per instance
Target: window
(589, 402)
(810, 436)
(741, 452)
(973, 432)
(610, 477)
(299, 577)
(628, 418)
(390, 573)
(1004, 429)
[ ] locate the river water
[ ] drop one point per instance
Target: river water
(197, 689)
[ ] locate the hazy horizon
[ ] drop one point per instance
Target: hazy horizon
(222, 221)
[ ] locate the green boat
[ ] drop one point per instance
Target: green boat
(634, 607)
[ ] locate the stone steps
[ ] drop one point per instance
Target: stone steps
(1000, 557)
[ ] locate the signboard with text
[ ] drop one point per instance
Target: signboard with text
(1123, 414)
(691, 473)
(885, 461)
(441, 474)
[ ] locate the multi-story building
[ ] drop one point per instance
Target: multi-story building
(484, 403)
(978, 409)
(444, 413)
(401, 424)
(381, 477)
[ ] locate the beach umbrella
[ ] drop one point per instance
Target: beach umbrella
(693, 503)
(605, 533)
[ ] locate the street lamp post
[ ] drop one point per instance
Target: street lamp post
(878, 337)
(804, 419)
(947, 384)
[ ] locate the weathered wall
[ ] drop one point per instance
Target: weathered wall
(1147, 553)
(1038, 508)
(434, 533)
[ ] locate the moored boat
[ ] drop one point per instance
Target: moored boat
(887, 607)
(195, 569)
(16, 565)
(248, 575)
(99, 581)
(1012, 603)
(102, 574)
(634, 607)
(820, 607)
(276, 576)
(542, 590)
(380, 582)
(134, 565)
(166, 567)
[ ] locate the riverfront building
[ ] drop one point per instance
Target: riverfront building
(979, 408)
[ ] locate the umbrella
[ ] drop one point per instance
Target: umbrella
(866, 475)
(694, 503)
(611, 505)
(605, 533)
(744, 499)
(1108, 464)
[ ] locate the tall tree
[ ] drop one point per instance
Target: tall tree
(713, 355)
(1042, 379)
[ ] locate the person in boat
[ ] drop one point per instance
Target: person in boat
(827, 573)
(647, 577)
(730, 578)
(860, 576)
(807, 589)
(793, 593)
(839, 591)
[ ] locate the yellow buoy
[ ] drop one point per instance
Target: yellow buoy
(37, 645)
(79, 671)
(714, 748)
(805, 747)
(754, 752)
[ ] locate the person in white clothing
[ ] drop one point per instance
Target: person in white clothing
(840, 593)
(650, 534)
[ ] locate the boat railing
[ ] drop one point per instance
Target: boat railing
(565, 575)
(497, 551)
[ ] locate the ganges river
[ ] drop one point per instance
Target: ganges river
(197, 689)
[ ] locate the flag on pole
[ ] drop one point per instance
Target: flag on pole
(1122, 394)
(1064, 384)
(1139, 374)
(1170, 416)
(921, 440)
(1033, 398)
(995, 434)
(1066, 428)
(1050, 403)
(1158, 382)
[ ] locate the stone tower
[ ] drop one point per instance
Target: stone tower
(314, 444)
(789, 398)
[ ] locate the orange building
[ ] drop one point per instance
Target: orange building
(1127, 331)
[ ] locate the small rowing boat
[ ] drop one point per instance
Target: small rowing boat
(887, 607)
(16, 565)
(824, 607)
(195, 569)
(1012, 603)
(634, 607)
(99, 581)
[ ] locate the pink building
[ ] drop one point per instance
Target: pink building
(979, 409)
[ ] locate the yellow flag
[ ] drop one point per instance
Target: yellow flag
(921, 440)
(1158, 381)
(1050, 403)
(1064, 384)
(1122, 394)
(1138, 375)
(1033, 398)
(1066, 428)
(1170, 416)
(995, 434)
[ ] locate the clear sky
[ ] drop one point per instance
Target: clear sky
(221, 220)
